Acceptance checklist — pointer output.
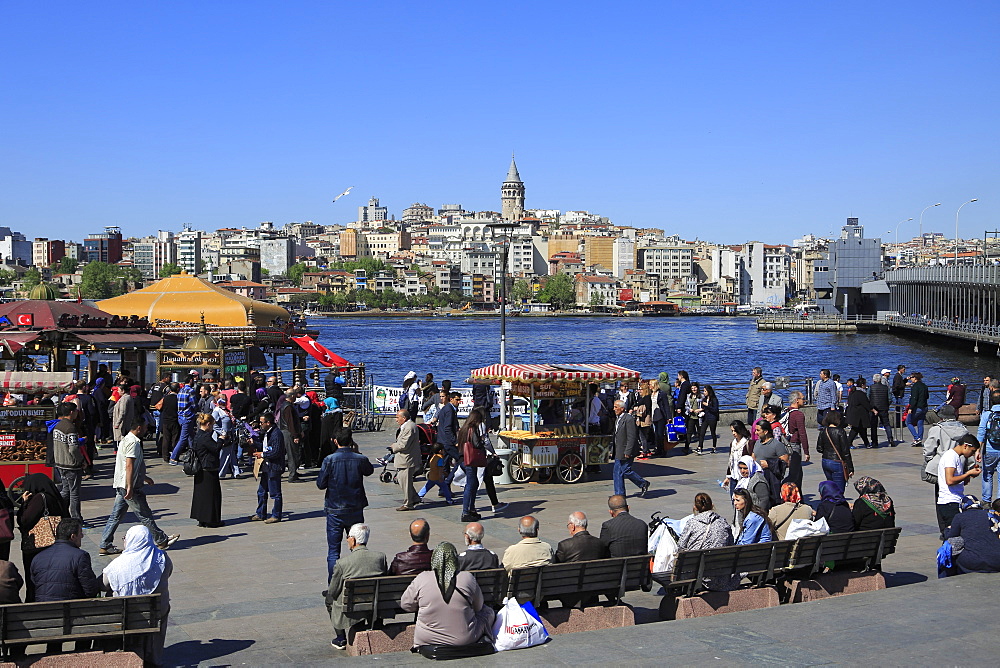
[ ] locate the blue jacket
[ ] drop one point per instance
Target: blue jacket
(826, 394)
(273, 446)
(984, 422)
(62, 572)
(343, 477)
(447, 426)
(755, 530)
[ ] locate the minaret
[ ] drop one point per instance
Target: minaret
(512, 195)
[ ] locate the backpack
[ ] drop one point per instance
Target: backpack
(992, 436)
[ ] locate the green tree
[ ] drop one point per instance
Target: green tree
(169, 269)
(295, 272)
(31, 278)
(67, 265)
(7, 277)
(101, 280)
(558, 291)
(265, 272)
(521, 291)
(597, 299)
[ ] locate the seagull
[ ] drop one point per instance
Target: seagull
(343, 193)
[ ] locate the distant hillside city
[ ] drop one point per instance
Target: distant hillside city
(453, 257)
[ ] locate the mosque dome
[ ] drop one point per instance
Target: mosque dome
(43, 291)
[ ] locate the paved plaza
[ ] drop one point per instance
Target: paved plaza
(249, 593)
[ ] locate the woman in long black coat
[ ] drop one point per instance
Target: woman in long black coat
(206, 499)
(859, 413)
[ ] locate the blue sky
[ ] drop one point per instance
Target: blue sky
(726, 121)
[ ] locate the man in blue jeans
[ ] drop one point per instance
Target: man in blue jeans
(342, 475)
(989, 455)
(272, 456)
(187, 409)
(626, 448)
(130, 476)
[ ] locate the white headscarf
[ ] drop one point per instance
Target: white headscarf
(752, 469)
(139, 568)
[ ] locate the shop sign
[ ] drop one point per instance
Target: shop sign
(190, 358)
(236, 361)
(549, 390)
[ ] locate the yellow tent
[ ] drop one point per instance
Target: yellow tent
(184, 297)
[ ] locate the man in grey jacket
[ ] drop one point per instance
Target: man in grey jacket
(360, 563)
(407, 458)
(68, 458)
(626, 448)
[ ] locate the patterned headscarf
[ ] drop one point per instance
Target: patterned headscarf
(969, 502)
(873, 493)
(790, 493)
(444, 563)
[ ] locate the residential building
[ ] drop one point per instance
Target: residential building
(354, 245)
(372, 214)
(250, 289)
(189, 250)
(388, 243)
(105, 247)
(277, 255)
(417, 213)
(45, 252)
(598, 291)
(598, 253)
(622, 256)
(149, 254)
(847, 263)
(768, 270)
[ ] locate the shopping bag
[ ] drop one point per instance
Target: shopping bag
(806, 528)
(666, 552)
(517, 626)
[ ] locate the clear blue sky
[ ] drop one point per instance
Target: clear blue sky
(725, 121)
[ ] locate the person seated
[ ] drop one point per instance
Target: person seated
(625, 536)
(10, 583)
(874, 508)
(980, 531)
(754, 526)
(360, 563)
(62, 571)
(448, 603)
(750, 476)
(793, 508)
(141, 569)
(581, 545)
(704, 530)
(416, 558)
(529, 551)
(834, 509)
(476, 557)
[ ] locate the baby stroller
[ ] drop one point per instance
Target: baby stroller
(386, 475)
(427, 435)
(663, 542)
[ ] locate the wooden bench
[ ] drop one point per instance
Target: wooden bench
(859, 555)
(761, 563)
(613, 577)
(116, 621)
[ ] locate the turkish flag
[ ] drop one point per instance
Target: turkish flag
(25, 320)
(326, 358)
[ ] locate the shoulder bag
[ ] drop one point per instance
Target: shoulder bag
(472, 455)
(43, 534)
(191, 462)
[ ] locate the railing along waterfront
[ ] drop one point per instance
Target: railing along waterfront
(969, 330)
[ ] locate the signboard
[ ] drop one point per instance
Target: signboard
(8, 440)
(190, 358)
(236, 361)
(386, 400)
(27, 422)
(549, 390)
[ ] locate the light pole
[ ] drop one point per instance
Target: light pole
(897, 239)
(506, 228)
(930, 206)
(974, 199)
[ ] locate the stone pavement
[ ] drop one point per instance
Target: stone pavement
(249, 593)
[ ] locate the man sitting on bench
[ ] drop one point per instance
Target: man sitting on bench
(360, 563)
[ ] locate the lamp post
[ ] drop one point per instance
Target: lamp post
(974, 199)
(897, 239)
(506, 228)
(930, 206)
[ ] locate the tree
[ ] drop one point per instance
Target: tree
(31, 278)
(596, 299)
(67, 265)
(558, 291)
(101, 280)
(265, 272)
(7, 276)
(169, 269)
(295, 272)
(521, 291)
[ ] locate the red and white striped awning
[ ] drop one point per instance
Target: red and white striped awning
(25, 381)
(548, 373)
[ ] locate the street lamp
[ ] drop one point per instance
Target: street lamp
(505, 228)
(975, 199)
(931, 206)
(897, 239)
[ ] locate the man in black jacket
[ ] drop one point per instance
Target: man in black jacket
(476, 557)
(625, 536)
(626, 448)
(581, 545)
(899, 383)
(67, 457)
(63, 571)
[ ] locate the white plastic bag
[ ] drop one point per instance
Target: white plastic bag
(514, 628)
(806, 528)
(666, 552)
(459, 479)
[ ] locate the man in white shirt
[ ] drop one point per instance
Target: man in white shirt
(952, 478)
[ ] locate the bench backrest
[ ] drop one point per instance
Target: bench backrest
(870, 546)
(120, 616)
(760, 562)
(614, 576)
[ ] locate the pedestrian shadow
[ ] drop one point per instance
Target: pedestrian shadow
(657, 493)
(900, 578)
(195, 652)
(203, 540)
(649, 468)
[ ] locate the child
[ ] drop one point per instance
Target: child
(435, 475)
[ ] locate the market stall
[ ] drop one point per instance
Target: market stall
(562, 446)
(23, 429)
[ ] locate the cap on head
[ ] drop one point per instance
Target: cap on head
(194, 372)
(886, 372)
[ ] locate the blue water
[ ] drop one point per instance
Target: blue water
(711, 349)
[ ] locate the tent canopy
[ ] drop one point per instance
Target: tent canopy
(23, 381)
(596, 373)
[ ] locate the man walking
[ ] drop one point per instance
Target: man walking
(899, 383)
(626, 448)
(130, 478)
(290, 424)
(187, 409)
(68, 458)
(878, 397)
(447, 433)
(342, 475)
(407, 458)
(989, 454)
(826, 395)
(272, 454)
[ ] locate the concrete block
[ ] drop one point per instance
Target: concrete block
(390, 638)
(711, 603)
(86, 660)
(572, 620)
(833, 584)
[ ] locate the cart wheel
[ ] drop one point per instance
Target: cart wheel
(570, 468)
(15, 490)
(518, 472)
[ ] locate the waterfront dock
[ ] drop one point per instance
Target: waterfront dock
(816, 323)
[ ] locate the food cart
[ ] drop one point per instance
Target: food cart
(23, 430)
(563, 450)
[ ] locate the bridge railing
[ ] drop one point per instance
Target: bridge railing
(973, 328)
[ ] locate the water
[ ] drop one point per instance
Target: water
(711, 349)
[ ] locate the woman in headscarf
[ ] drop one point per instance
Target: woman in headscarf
(206, 498)
(141, 569)
(738, 447)
(751, 478)
(312, 429)
(833, 508)
(39, 498)
(980, 531)
(103, 426)
(448, 603)
(7, 511)
(332, 421)
(754, 526)
(793, 508)
(874, 509)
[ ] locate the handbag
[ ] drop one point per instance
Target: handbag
(494, 466)
(472, 455)
(805, 528)
(43, 534)
(192, 464)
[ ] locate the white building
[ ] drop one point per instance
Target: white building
(373, 213)
(149, 254)
(189, 250)
(623, 256)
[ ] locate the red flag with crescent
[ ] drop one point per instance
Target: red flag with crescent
(319, 352)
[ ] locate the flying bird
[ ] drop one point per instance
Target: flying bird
(343, 193)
